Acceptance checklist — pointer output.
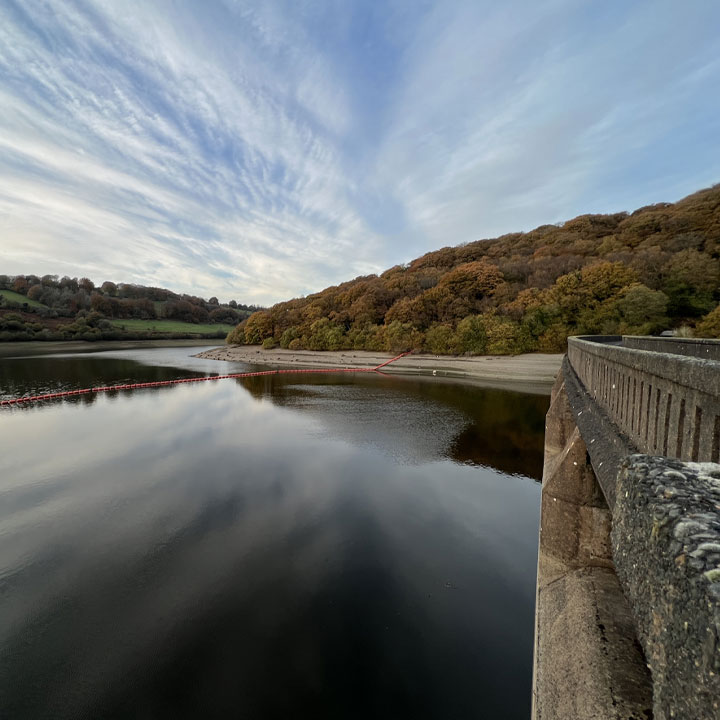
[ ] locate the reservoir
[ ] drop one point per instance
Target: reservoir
(320, 546)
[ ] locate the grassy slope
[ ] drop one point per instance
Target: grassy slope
(18, 298)
(171, 326)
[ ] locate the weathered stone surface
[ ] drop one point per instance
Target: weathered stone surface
(695, 347)
(587, 662)
(664, 403)
(574, 517)
(666, 547)
(589, 666)
(606, 446)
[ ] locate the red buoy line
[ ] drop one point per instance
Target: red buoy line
(161, 383)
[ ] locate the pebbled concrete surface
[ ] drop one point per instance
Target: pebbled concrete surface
(666, 548)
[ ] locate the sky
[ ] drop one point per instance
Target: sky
(264, 150)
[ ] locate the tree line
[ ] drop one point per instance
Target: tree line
(50, 307)
(655, 269)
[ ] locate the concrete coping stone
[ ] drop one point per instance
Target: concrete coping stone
(698, 374)
(694, 347)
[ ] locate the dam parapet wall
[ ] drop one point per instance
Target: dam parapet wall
(627, 613)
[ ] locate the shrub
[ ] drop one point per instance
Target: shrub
(709, 326)
(236, 336)
(288, 336)
(402, 336)
(440, 339)
(471, 336)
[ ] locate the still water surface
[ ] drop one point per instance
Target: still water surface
(349, 546)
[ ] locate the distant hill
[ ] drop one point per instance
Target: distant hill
(53, 308)
(654, 269)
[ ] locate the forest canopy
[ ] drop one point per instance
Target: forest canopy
(655, 269)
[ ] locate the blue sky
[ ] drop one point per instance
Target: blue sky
(264, 150)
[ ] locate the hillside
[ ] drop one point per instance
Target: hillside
(52, 308)
(654, 269)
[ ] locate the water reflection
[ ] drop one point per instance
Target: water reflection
(214, 552)
(416, 419)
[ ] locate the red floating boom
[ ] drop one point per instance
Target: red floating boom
(161, 383)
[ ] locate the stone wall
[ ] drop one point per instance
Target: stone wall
(694, 347)
(666, 547)
(655, 597)
(665, 404)
(588, 665)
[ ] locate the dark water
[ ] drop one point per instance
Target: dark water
(325, 547)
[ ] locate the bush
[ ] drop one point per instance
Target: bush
(400, 337)
(236, 336)
(269, 343)
(471, 336)
(440, 340)
(503, 335)
(709, 326)
(288, 336)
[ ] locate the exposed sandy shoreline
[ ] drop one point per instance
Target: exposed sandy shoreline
(529, 373)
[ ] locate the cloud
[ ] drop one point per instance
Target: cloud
(261, 152)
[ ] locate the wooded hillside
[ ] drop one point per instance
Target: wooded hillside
(53, 308)
(657, 268)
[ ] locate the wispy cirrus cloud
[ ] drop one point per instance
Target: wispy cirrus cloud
(261, 151)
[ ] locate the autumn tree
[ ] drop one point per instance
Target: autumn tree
(20, 285)
(709, 326)
(35, 292)
(258, 327)
(654, 268)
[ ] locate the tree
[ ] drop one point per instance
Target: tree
(68, 283)
(258, 327)
(692, 283)
(86, 284)
(101, 304)
(402, 336)
(237, 335)
(292, 333)
(35, 292)
(20, 285)
(109, 288)
(503, 335)
(642, 310)
(440, 339)
(471, 335)
(709, 326)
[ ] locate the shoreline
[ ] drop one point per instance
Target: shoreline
(26, 348)
(532, 372)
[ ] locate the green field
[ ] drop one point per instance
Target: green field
(18, 298)
(171, 326)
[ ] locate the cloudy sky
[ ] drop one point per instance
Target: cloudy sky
(263, 150)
